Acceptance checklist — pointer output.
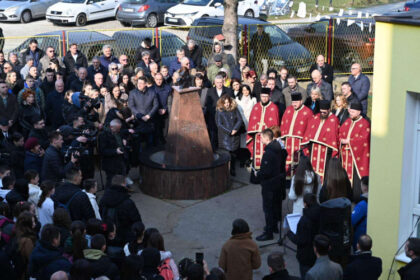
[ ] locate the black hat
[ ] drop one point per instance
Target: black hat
(296, 96)
(218, 58)
(356, 106)
(4, 122)
(324, 105)
(265, 91)
(65, 130)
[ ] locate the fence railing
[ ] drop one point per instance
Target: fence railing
(292, 45)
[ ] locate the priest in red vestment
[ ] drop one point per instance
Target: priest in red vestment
(264, 114)
(355, 147)
(293, 126)
(321, 138)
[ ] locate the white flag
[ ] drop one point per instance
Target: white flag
(338, 21)
(367, 15)
(361, 25)
(370, 27)
(341, 13)
(292, 14)
(359, 14)
(350, 22)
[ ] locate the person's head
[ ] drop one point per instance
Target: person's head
(28, 96)
(309, 200)
(245, 90)
(3, 88)
(316, 76)
(199, 80)
(180, 54)
(98, 79)
(115, 125)
(337, 179)
(11, 77)
(239, 226)
(154, 68)
(340, 102)
(346, 89)
(324, 109)
(50, 52)
(119, 180)
(7, 67)
(251, 76)
(50, 75)
(107, 51)
(364, 184)
(217, 48)
(355, 110)
(48, 189)
(4, 171)
(123, 60)
(33, 71)
(243, 61)
(25, 223)
(30, 82)
(90, 185)
(412, 248)
(265, 95)
(138, 231)
(18, 139)
(8, 182)
(164, 70)
(61, 218)
(96, 62)
(13, 57)
(218, 82)
(59, 275)
(82, 73)
(218, 60)
(156, 241)
(267, 136)
(50, 234)
(73, 48)
(271, 83)
(320, 60)
(235, 84)
(275, 262)
(145, 56)
(303, 170)
(33, 44)
(364, 244)
(195, 272)
(98, 242)
(283, 73)
(141, 83)
(260, 29)
(225, 103)
(321, 245)
(356, 69)
(191, 44)
(185, 62)
(316, 93)
(38, 122)
(59, 86)
(297, 100)
(74, 176)
(292, 81)
(30, 61)
(132, 267)
(183, 266)
(32, 176)
(94, 226)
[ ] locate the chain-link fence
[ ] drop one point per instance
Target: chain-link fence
(292, 45)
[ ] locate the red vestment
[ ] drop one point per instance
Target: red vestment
(293, 126)
(355, 155)
(321, 135)
(261, 117)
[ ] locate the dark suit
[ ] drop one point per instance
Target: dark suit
(327, 72)
(363, 266)
(411, 271)
(360, 87)
(10, 111)
(210, 111)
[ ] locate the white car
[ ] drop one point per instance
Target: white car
(190, 10)
(81, 11)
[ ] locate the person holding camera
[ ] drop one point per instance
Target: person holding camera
(53, 167)
(113, 151)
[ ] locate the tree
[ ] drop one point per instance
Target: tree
(230, 27)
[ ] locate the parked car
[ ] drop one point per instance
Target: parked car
(411, 5)
(89, 42)
(350, 43)
(189, 10)
(81, 11)
(143, 12)
(127, 42)
(24, 10)
(284, 52)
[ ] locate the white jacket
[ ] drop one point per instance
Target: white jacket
(94, 203)
(298, 200)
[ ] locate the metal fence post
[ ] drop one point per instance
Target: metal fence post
(329, 41)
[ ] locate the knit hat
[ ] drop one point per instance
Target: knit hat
(356, 106)
(296, 96)
(31, 143)
(324, 105)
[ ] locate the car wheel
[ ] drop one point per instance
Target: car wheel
(81, 20)
(249, 13)
(125, 24)
(348, 59)
(26, 16)
(151, 21)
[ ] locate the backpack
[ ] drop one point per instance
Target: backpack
(66, 206)
(6, 228)
(165, 270)
(110, 215)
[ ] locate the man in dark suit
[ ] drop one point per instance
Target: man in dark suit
(412, 250)
(363, 266)
(8, 104)
(276, 96)
(326, 89)
(360, 85)
(213, 95)
(326, 70)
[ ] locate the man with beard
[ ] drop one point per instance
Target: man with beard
(39, 132)
(321, 138)
(354, 137)
(265, 114)
(292, 88)
(293, 127)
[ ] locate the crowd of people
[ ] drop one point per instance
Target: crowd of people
(61, 119)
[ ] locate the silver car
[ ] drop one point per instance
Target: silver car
(24, 10)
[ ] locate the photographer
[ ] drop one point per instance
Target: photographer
(53, 167)
(90, 106)
(112, 149)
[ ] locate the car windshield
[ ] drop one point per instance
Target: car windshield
(277, 36)
(135, 1)
(196, 2)
(74, 1)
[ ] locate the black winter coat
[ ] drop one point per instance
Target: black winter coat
(47, 87)
(363, 267)
(226, 121)
(411, 271)
(126, 211)
(196, 55)
(111, 161)
(104, 267)
(279, 275)
(307, 228)
(272, 174)
(53, 167)
(80, 207)
(42, 136)
(154, 53)
(277, 98)
(13, 197)
(81, 61)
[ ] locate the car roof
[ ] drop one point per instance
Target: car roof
(79, 36)
(241, 20)
(141, 33)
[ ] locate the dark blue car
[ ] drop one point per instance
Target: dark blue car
(411, 5)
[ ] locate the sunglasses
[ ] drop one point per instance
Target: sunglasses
(114, 68)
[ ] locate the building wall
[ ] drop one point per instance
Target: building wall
(396, 71)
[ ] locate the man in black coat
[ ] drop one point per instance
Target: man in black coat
(96, 68)
(112, 151)
(276, 96)
(307, 229)
(117, 206)
(81, 78)
(48, 83)
(213, 95)
(53, 167)
(193, 52)
(8, 109)
(412, 250)
(39, 132)
(277, 266)
(74, 59)
(272, 176)
(146, 45)
(326, 70)
(34, 52)
(363, 266)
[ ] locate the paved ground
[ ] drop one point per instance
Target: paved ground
(204, 225)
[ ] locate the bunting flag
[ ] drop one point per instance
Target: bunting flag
(338, 21)
(361, 25)
(350, 12)
(370, 27)
(331, 9)
(359, 14)
(292, 14)
(291, 4)
(310, 16)
(367, 15)
(350, 22)
(341, 13)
